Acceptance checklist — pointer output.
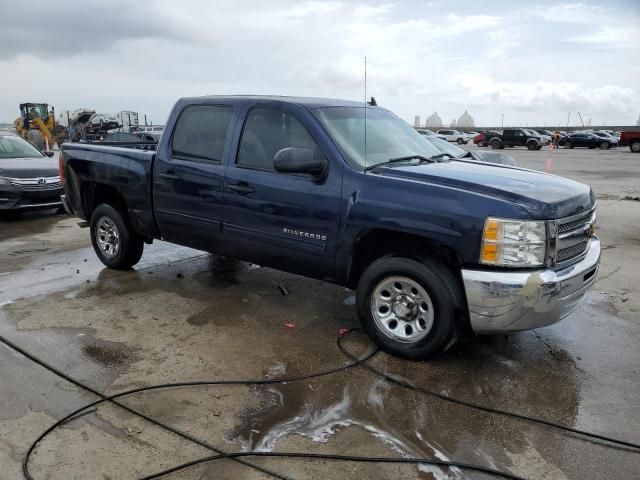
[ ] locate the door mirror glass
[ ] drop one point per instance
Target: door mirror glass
(49, 153)
(299, 160)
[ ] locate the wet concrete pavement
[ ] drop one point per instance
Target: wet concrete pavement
(182, 315)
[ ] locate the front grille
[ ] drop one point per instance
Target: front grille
(573, 237)
(36, 184)
(575, 224)
(573, 251)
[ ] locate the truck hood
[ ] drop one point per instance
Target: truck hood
(543, 196)
(28, 167)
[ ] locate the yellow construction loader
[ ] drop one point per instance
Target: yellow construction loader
(37, 124)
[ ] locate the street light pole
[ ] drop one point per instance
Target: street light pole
(502, 120)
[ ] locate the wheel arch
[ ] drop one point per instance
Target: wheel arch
(373, 244)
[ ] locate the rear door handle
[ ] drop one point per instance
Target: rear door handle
(241, 188)
(170, 176)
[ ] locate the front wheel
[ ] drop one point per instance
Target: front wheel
(114, 241)
(461, 141)
(410, 308)
(604, 145)
(532, 145)
(568, 145)
(635, 146)
(495, 144)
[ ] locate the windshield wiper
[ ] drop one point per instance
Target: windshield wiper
(406, 158)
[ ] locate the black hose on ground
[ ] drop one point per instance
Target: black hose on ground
(239, 456)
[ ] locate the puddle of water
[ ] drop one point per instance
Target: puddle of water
(319, 410)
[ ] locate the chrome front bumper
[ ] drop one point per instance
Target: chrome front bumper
(501, 301)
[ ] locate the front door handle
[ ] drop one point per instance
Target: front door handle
(170, 176)
(241, 188)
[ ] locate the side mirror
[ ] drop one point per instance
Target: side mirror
(49, 153)
(299, 160)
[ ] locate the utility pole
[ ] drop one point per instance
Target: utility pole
(568, 116)
(502, 120)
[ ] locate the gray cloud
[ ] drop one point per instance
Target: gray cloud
(61, 28)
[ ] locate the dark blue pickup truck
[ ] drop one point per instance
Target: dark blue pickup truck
(433, 247)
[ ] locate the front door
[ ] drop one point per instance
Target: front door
(286, 221)
(189, 178)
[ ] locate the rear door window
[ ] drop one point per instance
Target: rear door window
(200, 133)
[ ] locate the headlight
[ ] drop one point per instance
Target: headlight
(513, 243)
(4, 181)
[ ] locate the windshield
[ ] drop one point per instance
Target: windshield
(16, 147)
(449, 148)
(387, 135)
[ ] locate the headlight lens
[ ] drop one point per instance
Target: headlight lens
(4, 181)
(513, 243)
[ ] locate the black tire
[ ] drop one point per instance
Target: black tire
(635, 146)
(495, 144)
(36, 139)
(444, 292)
(461, 141)
(532, 146)
(605, 146)
(539, 147)
(130, 244)
(568, 145)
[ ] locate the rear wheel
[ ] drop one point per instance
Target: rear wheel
(604, 145)
(410, 308)
(635, 146)
(36, 139)
(113, 239)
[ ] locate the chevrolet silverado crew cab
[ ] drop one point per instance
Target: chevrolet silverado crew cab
(433, 247)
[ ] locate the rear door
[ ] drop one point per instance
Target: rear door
(189, 177)
(579, 140)
(286, 221)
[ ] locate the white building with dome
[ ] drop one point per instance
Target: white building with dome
(465, 121)
(433, 121)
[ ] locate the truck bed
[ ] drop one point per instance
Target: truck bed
(119, 167)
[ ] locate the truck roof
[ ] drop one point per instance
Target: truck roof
(309, 102)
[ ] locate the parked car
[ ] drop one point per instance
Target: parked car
(426, 131)
(518, 137)
(453, 136)
(483, 139)
(432, 247)
(455, 152)
(546, 137)
(29, 178)
(632, 139)
(543, 132)
(588, 140)
(603, 134)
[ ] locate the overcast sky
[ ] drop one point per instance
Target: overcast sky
(532, 62)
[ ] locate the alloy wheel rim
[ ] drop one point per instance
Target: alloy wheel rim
(107, 237)
(402, 309)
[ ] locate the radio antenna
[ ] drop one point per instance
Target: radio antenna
(365, 113)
